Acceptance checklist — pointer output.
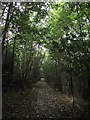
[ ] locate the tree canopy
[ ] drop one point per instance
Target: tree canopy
(50, 40)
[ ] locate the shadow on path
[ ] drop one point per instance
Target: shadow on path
(47, 104)
(40, 102)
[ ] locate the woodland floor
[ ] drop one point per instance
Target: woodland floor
(41, 102)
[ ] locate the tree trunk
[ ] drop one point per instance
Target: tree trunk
(13, 56)
(6, 25)
(72, 91)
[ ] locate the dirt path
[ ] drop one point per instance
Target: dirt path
(40, 102)
(48, 105)
(45, 105)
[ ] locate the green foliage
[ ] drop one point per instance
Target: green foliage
(69, 47)
(21, 56)
(63, 29)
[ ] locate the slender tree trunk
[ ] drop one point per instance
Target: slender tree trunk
(4, 9)
(71, 84)
(5, 59)
(6, 25)
(72, 90)
(88, 78)
(13, 56)
(27, 66)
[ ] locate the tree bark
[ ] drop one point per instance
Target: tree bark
(6, 25)
(13, 56)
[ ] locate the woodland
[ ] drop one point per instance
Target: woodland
(45, 60)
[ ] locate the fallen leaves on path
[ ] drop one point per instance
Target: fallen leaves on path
(40, 102)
